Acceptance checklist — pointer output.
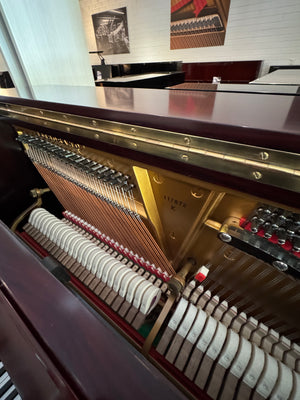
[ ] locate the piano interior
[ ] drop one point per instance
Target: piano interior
(201, 23)
(199, 276)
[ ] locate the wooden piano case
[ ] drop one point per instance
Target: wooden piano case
(200, 167)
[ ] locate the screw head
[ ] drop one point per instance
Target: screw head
(172, 235)
(158, 179)
(282, 266)
(257, 175)
(225, 237)
(197, 193)
(184, 157)
(263, 155)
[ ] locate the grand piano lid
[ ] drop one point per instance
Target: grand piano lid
(281, 76)
(288, 90)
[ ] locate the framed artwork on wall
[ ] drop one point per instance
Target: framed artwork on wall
(198, 23)
(111, 31)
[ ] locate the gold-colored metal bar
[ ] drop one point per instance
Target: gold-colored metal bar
(268, 166)
(144, 184)
(211, 203)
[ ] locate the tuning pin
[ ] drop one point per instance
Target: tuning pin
(296, 241)
(282, 235)
(268, 230)
(285, 216)
(101, 171)
(256, 222)
(263, 212)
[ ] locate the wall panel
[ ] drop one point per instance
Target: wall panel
(266, 30)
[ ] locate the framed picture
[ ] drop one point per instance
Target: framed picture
(198, 23)
(111, 31)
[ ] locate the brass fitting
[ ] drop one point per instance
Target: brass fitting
(177, 282)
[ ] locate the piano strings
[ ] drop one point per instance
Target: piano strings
(109, 207)
(230, 335)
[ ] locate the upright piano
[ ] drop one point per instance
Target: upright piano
(150, 244)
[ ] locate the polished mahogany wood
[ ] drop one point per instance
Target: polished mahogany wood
(228, 71)
(91, 358)
(18, 175)
(268, 121)
(30, 368)
(246, 118)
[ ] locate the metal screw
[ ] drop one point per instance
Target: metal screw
(197, 193)
(282, 266)
(68, 129)
(187, 140)
(133, 130)
(172, 235)
(96, 136)
(257, 175)
(158, 179)
(41, 112)
(228, 255)
(94, 123)
(65, 117)
(263, 155)
(225, 237)
(184, 157)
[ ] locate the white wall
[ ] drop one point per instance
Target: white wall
(48, 40)
(266, 30)
(3, 66)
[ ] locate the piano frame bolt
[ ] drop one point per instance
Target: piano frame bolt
(223, 234)
(225, 237)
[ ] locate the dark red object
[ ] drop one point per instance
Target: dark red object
(54, 347)
(228, 71)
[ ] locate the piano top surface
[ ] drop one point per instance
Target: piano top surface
(262, 119)
(293, 90)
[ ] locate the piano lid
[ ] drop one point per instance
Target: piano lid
(266, 120)
(280, 76)
(289, 90)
